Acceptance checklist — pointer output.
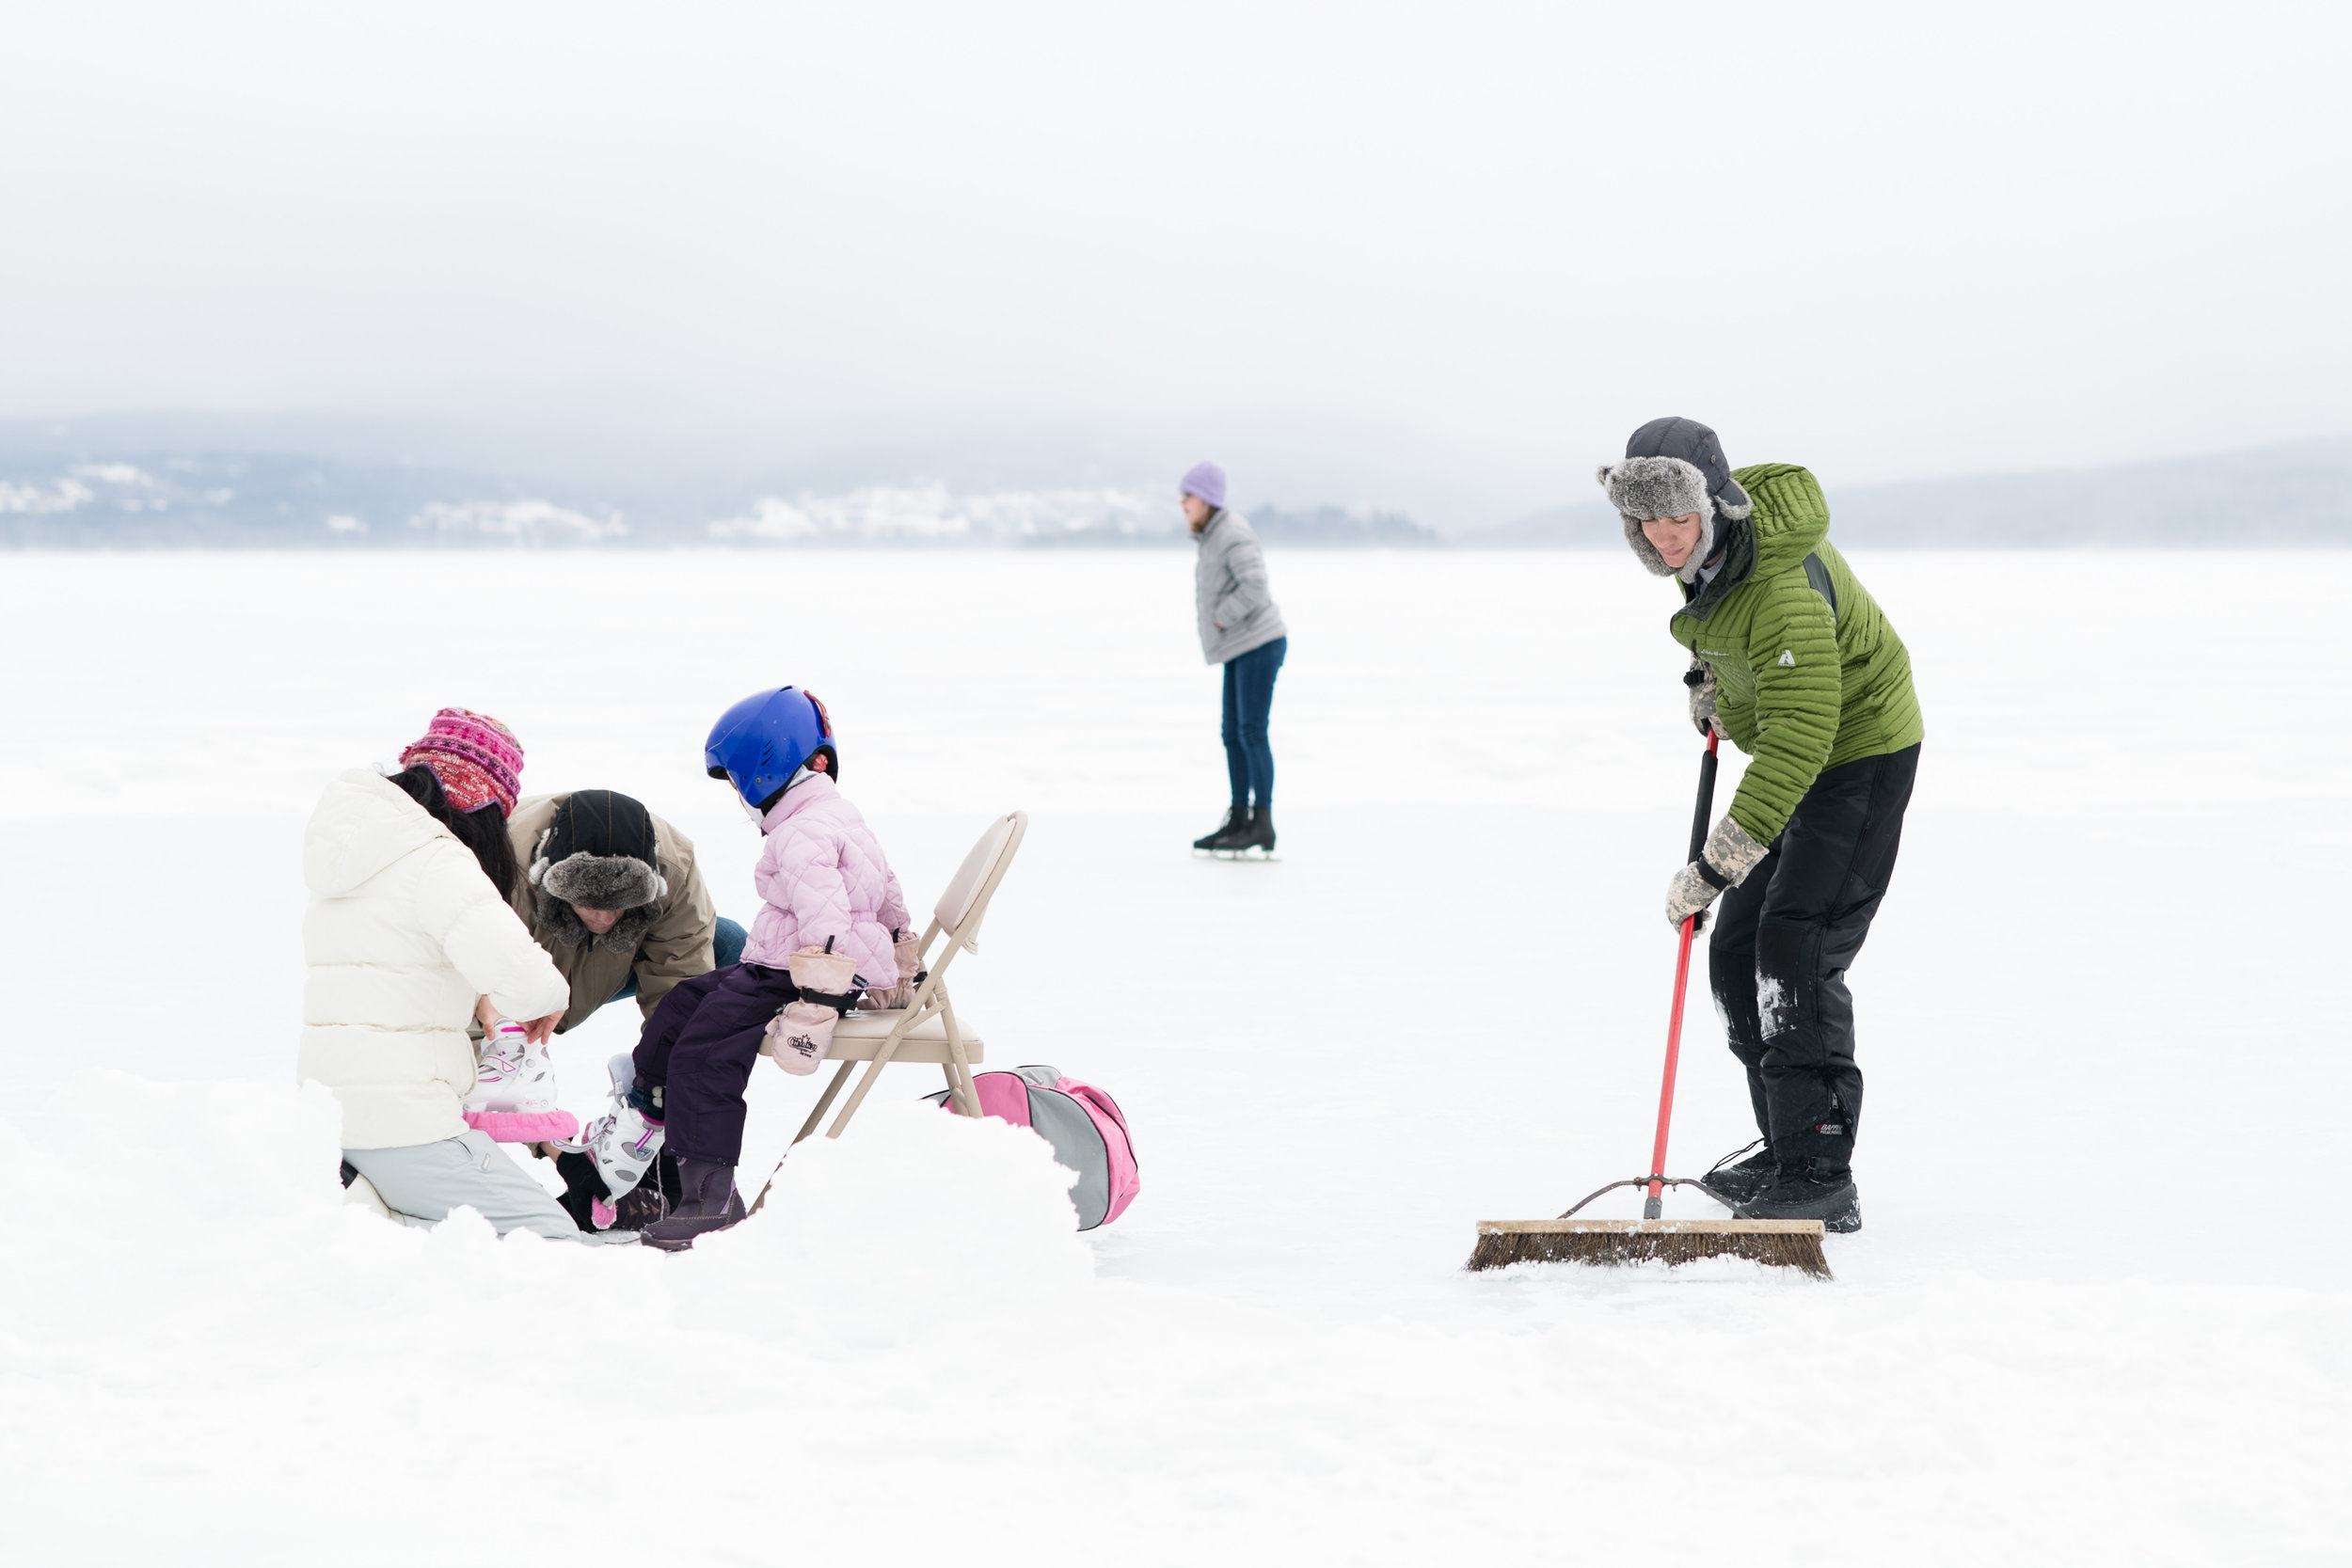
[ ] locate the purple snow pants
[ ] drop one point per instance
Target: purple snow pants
(699, 1048)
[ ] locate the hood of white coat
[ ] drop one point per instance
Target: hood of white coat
(362, 825)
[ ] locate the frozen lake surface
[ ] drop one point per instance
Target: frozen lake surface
(2098, 1313)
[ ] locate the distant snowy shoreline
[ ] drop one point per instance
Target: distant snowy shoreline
(2292, 497)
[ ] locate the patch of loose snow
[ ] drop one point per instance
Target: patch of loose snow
(920, 1221)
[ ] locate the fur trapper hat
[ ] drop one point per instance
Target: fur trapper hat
(600, 853)
(1672, 467)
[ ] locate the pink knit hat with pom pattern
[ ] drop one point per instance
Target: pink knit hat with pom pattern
(476, 758)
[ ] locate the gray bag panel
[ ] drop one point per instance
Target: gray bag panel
(1077, 1145)
(1036, 1077)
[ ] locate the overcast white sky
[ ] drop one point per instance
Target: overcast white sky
(1474, 242)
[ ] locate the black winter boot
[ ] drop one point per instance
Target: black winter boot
(1813, 1176)
(1735, 1179)
(1236, 821)
(1257, 834)
(1829, 1197)
(707, 1202)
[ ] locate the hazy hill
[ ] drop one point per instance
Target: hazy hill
(252, 481)
(2277, 496)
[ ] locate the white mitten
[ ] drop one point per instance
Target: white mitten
(800, 1037)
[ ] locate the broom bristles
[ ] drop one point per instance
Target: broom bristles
(1778, 1244)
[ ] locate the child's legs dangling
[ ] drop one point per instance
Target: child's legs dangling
(670, 1016)
(706, 1059)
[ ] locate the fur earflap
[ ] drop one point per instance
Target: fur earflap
(1643, 551)
(558, 921)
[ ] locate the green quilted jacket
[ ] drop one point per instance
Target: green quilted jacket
(1808, 673)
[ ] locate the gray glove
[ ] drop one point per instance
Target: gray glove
(1730, 856)
(1700, 679)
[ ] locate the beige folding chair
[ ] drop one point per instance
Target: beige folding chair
(926, 1029)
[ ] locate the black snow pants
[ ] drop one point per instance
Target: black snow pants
(700, 1046)
(1783, 940)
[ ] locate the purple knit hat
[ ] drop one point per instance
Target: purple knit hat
(1205, 480)
(476, 758)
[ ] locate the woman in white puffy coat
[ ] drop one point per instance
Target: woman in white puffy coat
(406, 934)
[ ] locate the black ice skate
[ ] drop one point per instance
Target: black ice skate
(1235, 824)
(1830, 1197)
(1252, 840)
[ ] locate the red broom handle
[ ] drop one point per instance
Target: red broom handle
(1651, 1205)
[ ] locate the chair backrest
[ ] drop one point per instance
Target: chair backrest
(959, 907)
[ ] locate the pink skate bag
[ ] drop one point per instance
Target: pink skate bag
(1084, 1125)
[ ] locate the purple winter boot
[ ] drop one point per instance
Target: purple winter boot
(707, 1201)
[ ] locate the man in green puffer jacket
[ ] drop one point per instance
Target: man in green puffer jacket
(1794, 663)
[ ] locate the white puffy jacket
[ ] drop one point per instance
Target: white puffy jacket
(403, 931)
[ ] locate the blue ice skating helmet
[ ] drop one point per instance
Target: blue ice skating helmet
(759, 743)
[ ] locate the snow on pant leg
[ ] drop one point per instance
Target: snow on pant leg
(1252, 677)
(422, 1183)
(710, 1059)
(1237, 760)
(1835, 859)
(1731, 975)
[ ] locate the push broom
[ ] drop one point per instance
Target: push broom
(1783, 1243)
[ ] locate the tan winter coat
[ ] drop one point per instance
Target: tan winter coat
(403, 933)
(676, 947)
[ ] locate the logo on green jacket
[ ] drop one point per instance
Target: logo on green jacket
(1788, 658)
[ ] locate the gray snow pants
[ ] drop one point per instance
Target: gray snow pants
(422, 1183)
(1783, 941)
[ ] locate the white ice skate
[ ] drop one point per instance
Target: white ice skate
(621, 1143)
(513, 1089)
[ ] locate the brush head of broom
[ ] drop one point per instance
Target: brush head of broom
(1778, 1244)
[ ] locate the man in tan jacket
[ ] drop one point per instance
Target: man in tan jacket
(612, 893)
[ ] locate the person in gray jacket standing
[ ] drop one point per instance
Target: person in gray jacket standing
(1241, 629)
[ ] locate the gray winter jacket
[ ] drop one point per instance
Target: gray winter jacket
(1237, 613)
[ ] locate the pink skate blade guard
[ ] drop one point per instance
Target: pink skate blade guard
(525, 1126)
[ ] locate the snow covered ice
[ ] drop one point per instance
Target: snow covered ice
(2097, 1314)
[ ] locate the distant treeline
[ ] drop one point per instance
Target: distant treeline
(145, 499)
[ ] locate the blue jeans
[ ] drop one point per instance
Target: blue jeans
(1249, 698)
(726, 947)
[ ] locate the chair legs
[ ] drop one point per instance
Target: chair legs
(957, 1068)
(857, 1096)
(960, 1085)
(824, 1102)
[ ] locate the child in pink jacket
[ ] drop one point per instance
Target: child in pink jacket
(828, 891)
